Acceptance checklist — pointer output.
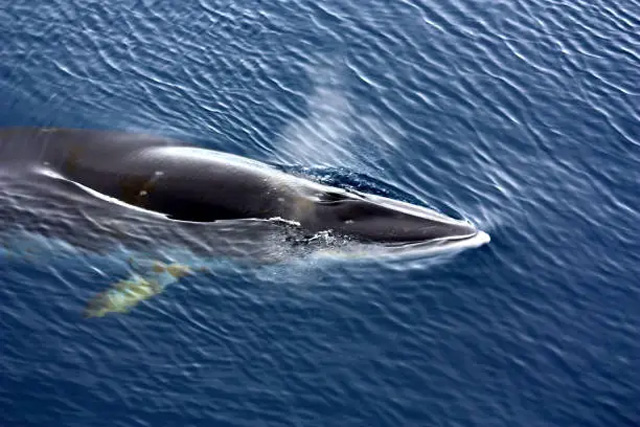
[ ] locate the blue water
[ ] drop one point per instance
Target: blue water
(522, 116)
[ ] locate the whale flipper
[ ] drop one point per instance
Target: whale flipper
(124, 295)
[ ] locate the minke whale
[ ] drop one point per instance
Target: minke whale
(75, 183)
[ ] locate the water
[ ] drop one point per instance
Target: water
(520, 116)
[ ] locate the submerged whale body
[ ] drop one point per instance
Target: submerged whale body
(165, 177)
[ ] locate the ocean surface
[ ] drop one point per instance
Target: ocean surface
(522, 116)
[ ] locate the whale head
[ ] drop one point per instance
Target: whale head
(379, 219)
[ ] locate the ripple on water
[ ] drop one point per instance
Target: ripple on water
(521, 116)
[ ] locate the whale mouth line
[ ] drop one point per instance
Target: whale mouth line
(414, 250)
(429, 248)
(442, 244)
(436, 241)
(476, 239)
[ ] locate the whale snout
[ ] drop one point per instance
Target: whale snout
(378, 219)
(446, 230)
(411, 228)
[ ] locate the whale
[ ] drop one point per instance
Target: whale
(188, 183)
(99, 190)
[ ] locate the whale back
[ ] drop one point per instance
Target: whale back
(157, 174)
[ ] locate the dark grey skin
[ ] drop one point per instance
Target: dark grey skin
(198, 185)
